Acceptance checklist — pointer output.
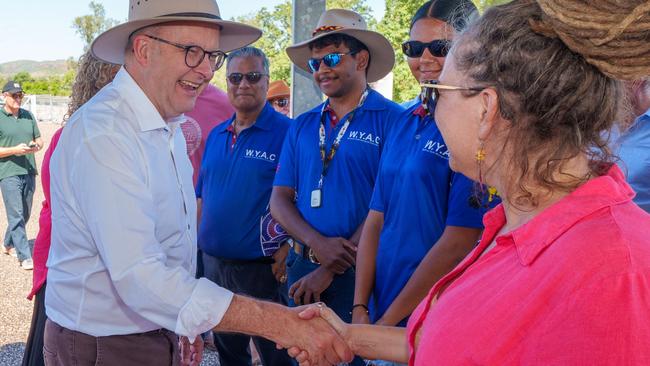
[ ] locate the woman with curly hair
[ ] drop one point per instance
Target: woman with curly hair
(561, 275)
(92, 75)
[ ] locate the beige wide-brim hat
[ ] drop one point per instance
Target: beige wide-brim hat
(333, 21)
(109, 46)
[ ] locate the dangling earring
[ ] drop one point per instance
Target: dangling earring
(480, 158)
(478, 199)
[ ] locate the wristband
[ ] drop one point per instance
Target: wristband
(364, 306)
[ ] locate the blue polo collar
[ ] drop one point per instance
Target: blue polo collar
(263, 121)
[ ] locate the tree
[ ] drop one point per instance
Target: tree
(277, 34)
(90, 26)
(484, 4)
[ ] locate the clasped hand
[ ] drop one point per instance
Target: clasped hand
(319, 310)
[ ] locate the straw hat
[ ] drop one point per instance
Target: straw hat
(109, 46)
(333, 21)
(278, 89)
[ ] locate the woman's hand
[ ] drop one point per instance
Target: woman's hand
(319, 310)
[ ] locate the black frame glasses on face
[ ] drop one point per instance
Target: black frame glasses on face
(437, 47)
(252, 77)
(194, 55)
(280, 102)
(330, 60)
(431, 92)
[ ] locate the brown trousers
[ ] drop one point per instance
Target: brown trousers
(65, 347)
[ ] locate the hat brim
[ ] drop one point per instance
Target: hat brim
(382, 55)
(13, 90)
(278, 94)
(110, 45)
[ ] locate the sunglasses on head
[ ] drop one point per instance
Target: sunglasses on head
(252, 77)
(281, 102)
(437, 47)
(330, 60)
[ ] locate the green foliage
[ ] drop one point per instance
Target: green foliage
(277, 36)
(484, 4)
(395, 27)
(53, 85)
(90, 26)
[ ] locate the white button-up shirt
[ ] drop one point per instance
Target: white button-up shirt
(123, 252)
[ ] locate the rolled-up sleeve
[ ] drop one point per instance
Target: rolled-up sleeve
(151, 276)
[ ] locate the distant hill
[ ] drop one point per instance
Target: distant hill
(35, 68)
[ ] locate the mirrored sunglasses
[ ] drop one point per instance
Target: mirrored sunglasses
(252, 77)
(437, 47)
(330, 60)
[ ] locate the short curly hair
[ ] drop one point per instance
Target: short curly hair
(92, 75)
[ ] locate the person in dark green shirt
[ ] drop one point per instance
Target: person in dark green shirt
(19, 139)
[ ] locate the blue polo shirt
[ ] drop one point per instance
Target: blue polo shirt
(634, 152)
(348, 185)
(419, 196)
(235, 183)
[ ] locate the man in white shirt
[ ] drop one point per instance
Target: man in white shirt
(121, 264)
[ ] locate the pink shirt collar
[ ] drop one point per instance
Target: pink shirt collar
(536, 235)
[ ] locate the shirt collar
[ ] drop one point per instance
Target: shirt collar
(543, 230)
(147, 115)
(420, 111)
(374, 101)
(263, 121)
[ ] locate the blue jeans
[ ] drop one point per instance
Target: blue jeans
(18, 194)
(339, 296)
(383, 363)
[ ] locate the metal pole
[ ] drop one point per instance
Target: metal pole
(305, 94)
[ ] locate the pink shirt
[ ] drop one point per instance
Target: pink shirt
(212, 107)
(42, 241)
(570, 287)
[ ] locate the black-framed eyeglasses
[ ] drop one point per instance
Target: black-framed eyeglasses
(194, 55)
(431, 92)
(437, 47)
(330, 60)
(252, 77)
(280, 102)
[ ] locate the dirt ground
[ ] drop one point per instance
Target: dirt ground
(15, 283)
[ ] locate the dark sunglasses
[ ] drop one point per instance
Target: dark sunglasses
(330, 60)
(437, 47)
(19, 95)
(431, 92)
(252, 77)
(281, 102)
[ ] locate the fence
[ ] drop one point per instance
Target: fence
(46, 108)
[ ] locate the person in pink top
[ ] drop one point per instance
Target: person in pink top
(92, 75)
(561, 275)
(212, 107)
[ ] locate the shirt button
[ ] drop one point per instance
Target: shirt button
(417, 137)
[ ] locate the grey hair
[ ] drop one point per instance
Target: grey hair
(249, 52)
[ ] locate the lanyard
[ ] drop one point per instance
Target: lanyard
(327, 157)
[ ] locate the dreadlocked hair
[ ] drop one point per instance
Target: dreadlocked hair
(554, 65)
(613, 35)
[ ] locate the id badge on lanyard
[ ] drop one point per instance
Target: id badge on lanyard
(316, 199)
